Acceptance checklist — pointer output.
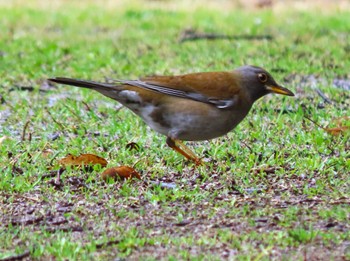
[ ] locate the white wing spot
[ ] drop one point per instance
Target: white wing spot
(130, 96)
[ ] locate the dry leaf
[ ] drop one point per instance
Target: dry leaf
(123, 172)
(341, 128)
(82, 160)
(336, 131)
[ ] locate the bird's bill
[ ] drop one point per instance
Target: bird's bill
(279, 90)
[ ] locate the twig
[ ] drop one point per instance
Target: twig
(58, 178)
(247, 146)
(87, 107)
(58, 123)
(23, 88)
(323, 96)
(192, 35)
(71, 111)
(25, 130)
(318, 125)
(53, 173)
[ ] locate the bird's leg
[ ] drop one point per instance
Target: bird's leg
(181, 148)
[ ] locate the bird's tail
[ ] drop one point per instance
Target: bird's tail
(84, 84)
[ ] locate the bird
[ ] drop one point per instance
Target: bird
(189, 107)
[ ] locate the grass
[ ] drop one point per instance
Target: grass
(277, 187)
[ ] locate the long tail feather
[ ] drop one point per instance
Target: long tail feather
(83, 83)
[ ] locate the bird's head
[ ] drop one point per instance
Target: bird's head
(258, 82)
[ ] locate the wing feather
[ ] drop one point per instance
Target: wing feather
(216, 88)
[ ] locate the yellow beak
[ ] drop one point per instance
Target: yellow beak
(279, 90)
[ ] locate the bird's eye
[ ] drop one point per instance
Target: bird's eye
(262, 77)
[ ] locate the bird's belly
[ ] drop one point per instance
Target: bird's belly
(194, 127)
(189, 120)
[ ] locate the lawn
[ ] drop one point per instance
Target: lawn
(276, 187)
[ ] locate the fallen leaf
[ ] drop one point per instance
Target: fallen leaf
(341, 126)
(337, 130)
(340, 129)
(82, 160)
(122, 172)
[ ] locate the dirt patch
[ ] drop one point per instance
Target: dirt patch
(112, 216)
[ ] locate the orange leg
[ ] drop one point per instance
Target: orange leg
(181, 148)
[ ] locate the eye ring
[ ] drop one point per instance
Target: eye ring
(262, 77)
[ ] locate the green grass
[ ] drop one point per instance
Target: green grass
(277, 187)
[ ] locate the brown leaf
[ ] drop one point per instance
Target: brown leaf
(82, 160)
(122, 172)
(341, 126)
(336, 131)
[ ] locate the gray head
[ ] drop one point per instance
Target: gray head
(259, 82)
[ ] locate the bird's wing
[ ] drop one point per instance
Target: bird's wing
(217, 88)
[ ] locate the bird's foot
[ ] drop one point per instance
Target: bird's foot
(181, 148)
